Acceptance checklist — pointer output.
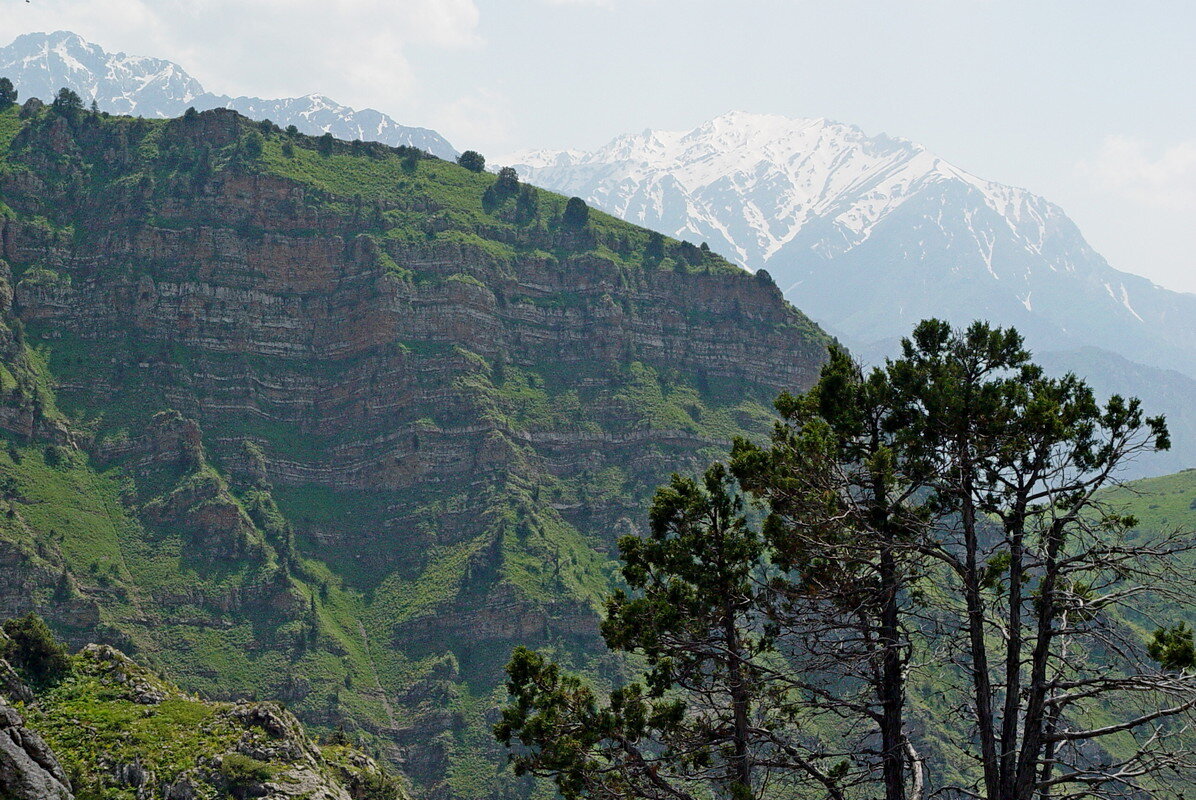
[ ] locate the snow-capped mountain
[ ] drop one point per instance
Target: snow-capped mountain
(869, 234)
(39, 64)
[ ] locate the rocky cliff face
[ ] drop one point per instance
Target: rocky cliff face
(356, 421)
(871, 234)
(29, 770)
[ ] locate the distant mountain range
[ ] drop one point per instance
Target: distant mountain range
(39, 64)
(869, 234)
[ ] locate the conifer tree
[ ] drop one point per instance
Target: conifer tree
(577, 213)
(655, 249)
(8, 94)
(706, 713)
(472, 160)
(33, 650)
(67, 103)
(1044, 569)
(325, 144)
(527, 204)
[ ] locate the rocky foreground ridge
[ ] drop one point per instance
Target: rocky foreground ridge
(111, 728)
(341, 424)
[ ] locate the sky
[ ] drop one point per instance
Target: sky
(1091, 104)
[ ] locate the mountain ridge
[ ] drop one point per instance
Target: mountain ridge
(870, 234)
(831, 212)
(41, 63)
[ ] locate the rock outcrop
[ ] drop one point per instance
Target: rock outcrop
(29, 770)
(245, 750)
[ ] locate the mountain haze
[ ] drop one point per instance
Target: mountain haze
(39, 64)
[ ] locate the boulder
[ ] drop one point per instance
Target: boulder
(29, 770)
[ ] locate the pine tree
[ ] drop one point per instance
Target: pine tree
(67, 102)
(472, 160)
(941, 513)
(527, 205)
(325, 144)
(577, 213)
(8, 95)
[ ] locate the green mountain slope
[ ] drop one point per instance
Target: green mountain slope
(340, 424)
(1160, 504)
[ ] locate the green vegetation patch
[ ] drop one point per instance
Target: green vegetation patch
(10, 125)
(92, 712)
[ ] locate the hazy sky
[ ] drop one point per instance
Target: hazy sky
(1091, 104)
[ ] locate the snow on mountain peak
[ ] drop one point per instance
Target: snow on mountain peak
(782, 172)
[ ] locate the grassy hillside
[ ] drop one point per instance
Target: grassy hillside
(1159, 504)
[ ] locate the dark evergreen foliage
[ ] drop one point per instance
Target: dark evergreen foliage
(1173, 648)
(527, 205)
(325, 144)
(67, 103)
(504, 187)
(508, 181)
(67, 100)
(472, 160)
(689, 253)
(655, 249)
(577, 213)
(691, 618)
(252, 145)
(8, 94)
(34, 651)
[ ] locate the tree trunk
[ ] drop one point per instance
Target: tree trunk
(1013, 658)
(740, 700)
(1033, 732)
(892, 688)
(981, 681)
